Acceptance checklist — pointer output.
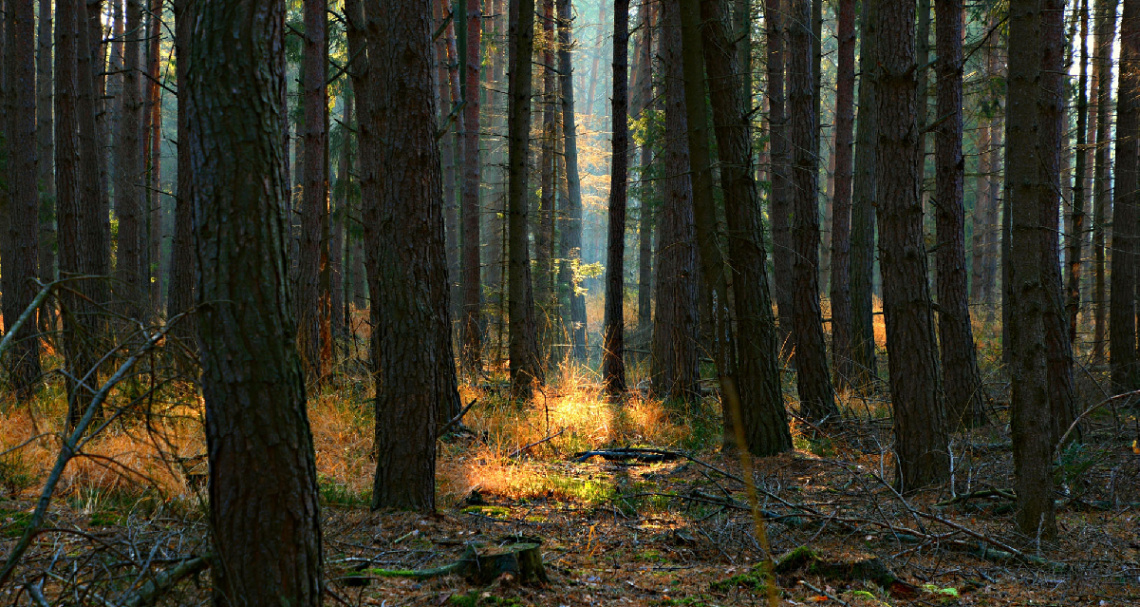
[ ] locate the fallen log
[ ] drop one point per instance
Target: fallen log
(523, 561)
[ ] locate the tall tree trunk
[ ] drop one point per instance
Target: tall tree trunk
(572, 223)
(471, 337)
(613, 346)
(524, 362)
(921, 435)
(592, 94)
(675, 369)
(1080, 171)
(95, 227)
(544, 236)
(1102, 196)
(129, 270)
(497, 224)
(763, 422)
(45, 143)
(180, 286)
(415, 386)
(960, 375)
(779, 199)
(817, 399)
(647, 190)
(266, 526)
(841, 197)
(864, 192)
(23, 361)
(314, 306)
(1029, 407)
(338, 225)
(1122, 307)
(153, 159)
(447, 83)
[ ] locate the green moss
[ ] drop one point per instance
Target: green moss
(755, 579)
(339, 494)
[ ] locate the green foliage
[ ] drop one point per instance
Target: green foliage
(16, 473)
(755, 579)
(338, 494)
(12, 523)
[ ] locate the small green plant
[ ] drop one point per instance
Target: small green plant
(15, 473)
(338, 494)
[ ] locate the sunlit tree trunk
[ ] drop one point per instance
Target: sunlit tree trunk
(572, 223)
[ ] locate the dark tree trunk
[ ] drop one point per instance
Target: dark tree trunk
(314, 306)
(471, 337)
(1122, 306)
(45, 127)
(1051, 130)
(841, 197)
(404, 231)
(613, 346)
(23, 361)
(180, 286)
(779, 200)
(675, 369)
(543, 235)
(863, 197)
(338, 229)
(960, 375)
(524, 362)
(763, 420)
(129, 269)
(572, 223)
(1029, 407)
(153, 160)
(1102, 196)
(94, 226)
(1080, 172)
(647, 190)
(266, 526)
(920, 422)
(817, 399)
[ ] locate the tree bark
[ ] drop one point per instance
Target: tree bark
(266, 525)
(1125, 373)
(129, 269)
(523, 351)
(841, 198)
(763, 420)
(1080, 172)
(180, 286)
(960, 375)
(779, 199)
(543, 235)
(647, 190)
(817, 399)
(863, 197)
(613, 347)
(314, 306)
(1102, 196)
(675, 369)
(153, 160)
(921, 435)
(471, 350)
(572, 223)
(1029, 412)
(45, 127)
(23, 363)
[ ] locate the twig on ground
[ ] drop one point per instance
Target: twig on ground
(455, 420)
(536, 443)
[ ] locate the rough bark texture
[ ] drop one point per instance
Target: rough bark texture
(471, 335)
(129, 269)
(960, 375)
(613, 346)
(404, 231)
(1029, 407)
(523, 350)
(647, 189)
(543, 234)
(313, 307)
(675, 371)
(45, 127)
(1102, 197)
(180, 286)
(95, 225)
(572, 222)
(339, 254)
(779, 201)
(920, 421)
(23, 363)
(863, 196)
(152, 267)
(841, 198)
(1122, 306)
(817, 399)
(266, 526)
(1076, 235)
(764, 422)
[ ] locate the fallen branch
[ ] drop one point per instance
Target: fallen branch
(641, 455)
(965, 497)
(163, 582)
(536, 443)
(455, 420)
(524, 561)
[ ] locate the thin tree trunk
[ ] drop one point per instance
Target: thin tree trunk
(1029, 412)
(592, 94)
(524, 362)
(266, 526)
(675, 370)
(447, 83)
(129, 270)
(1102, 196)
(180, 286)
(613, 346)
(45, 142)
(471, 350)
(1077, 233)
(841, 197)
(153, 267)
(779, 199)
(338, 229)
(960, 375)
(921, 435)
(544, 237)
(763, 422)
(647, 190)
(314, 306)
(817, 399)
(572, 223)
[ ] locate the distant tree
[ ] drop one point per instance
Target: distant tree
(129, 268)
(840, 283)
(921, 435)
(314, 306)
(647, 197)
(779, 199)
(572, 222)
(524, 362)
(544, 224)
(613, 346)
(23, 363)
(471, 334)
(180, 284)
(817, 398)
(1076, 236)
(266, 525)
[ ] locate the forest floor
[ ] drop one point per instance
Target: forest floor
(673, 528)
